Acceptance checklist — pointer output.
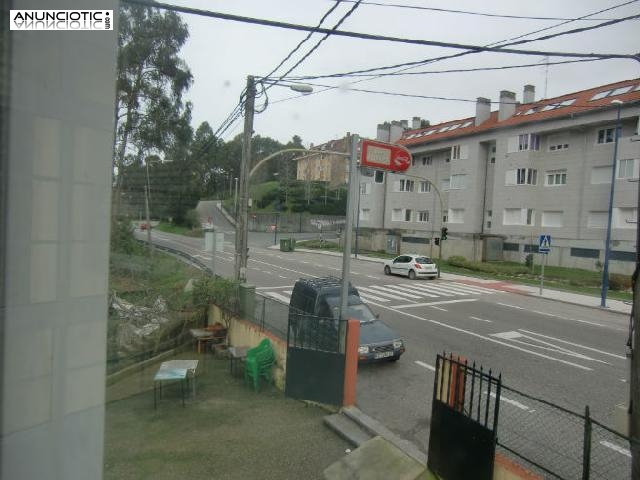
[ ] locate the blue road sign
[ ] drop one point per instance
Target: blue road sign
(544, 244)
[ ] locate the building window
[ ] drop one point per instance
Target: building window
(423, 216)
(456, 215)
(558, 146)
(597, 219)
(625, 217)
(606, 135)
(460, 152)
(406, 185)
(407, 215)
(444, 184)
(626, 168)
(396, 215)
(379, 178)
(518, 216)
(601, 175)
(489, 213)
(413, 161)
(584, 252)
(489, 224)
(555, 177)
(425, 187)
(524, 142)
(510, 247)
(552, 219)
(526, 176)
(365, 188)
(427, 160)
(457, 182)
(447, 159)
(365, 214)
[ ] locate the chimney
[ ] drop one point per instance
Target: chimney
(416, 122)
(397, 129)
(529, 94)
(383, 132)
(483, 110)
(507, 105)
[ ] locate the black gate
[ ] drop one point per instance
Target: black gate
(464, 420)
(315, 366)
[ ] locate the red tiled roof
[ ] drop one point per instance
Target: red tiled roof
(530, 112)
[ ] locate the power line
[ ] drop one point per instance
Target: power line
(434, 72)
(297, 47)
(467, 12)
(366, 36)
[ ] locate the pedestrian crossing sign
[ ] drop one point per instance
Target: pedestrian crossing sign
(544, 244)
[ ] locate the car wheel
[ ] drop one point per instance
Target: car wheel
(412, 275)
(387, 270)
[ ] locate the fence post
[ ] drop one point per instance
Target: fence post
(264, 301)
(586, 452)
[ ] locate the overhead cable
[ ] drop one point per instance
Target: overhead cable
(367, 36)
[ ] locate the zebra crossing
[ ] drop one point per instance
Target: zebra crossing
(405, 293)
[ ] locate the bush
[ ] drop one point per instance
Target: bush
(458, 261)
(192, 219)
(528, 261)
(619, 282)
(122, 239)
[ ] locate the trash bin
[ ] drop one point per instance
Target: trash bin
(292, 244)
(285, 245)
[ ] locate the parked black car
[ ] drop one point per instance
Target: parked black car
(314, 318)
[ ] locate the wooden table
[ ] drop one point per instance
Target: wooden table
(179, 370)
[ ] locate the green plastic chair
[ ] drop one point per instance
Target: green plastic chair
(258, 363)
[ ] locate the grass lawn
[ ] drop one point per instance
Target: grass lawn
(227, 431)
(179, 230)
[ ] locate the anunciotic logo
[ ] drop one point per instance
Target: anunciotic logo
(61, 19)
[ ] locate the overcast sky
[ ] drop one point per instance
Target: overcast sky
(222, 53)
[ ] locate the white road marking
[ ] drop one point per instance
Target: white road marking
(306, 263)
(277, 296)
(475, 288)
(483, 337)
(623, 380)
(382, 294)
(567, 318)
(515, 403)
(367, 298)
(616, 448)
(426, 365)
(511, 306)
(481, 319)
(283, 268)
(438, 308)
(355, 273)
(282, 276)
(396, 294)
(409, 305)
(429, 291)
(621, 357)
(372, 276)
(542, 345)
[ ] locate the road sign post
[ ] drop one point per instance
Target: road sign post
(544, 247)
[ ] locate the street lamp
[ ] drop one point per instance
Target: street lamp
(607, 245)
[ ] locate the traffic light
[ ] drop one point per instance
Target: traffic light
(436, 240)
(444, 231)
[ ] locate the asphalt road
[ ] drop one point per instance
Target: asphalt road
(566, 354)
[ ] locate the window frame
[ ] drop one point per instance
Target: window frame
(605, 138)
(423, 216)
(562, 173)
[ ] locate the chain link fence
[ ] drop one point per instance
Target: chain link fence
(557, 443)
(270, 315)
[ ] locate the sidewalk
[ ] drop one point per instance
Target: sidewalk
(614, 306)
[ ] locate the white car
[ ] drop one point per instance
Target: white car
(413, 266)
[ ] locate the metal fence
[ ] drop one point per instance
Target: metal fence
(295, 222)
(557, 443)
(270, 315)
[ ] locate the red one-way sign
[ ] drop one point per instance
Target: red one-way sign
(385, 156)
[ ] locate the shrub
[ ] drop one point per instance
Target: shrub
(458, 261)
(619, 282)
(528, 261)
(122, 239)
(192, 219)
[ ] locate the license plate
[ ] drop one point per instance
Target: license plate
(383, 355)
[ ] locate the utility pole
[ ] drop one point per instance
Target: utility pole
(241, 255)
(634, 347)
(146, 204)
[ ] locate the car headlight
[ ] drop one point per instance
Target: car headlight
(363, 349)
(398, 344)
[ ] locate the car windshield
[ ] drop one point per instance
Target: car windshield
(426, 260)
(356, 309)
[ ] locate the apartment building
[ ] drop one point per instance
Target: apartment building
(500, 179)
(325, 167)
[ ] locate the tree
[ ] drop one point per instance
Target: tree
(150, 115)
